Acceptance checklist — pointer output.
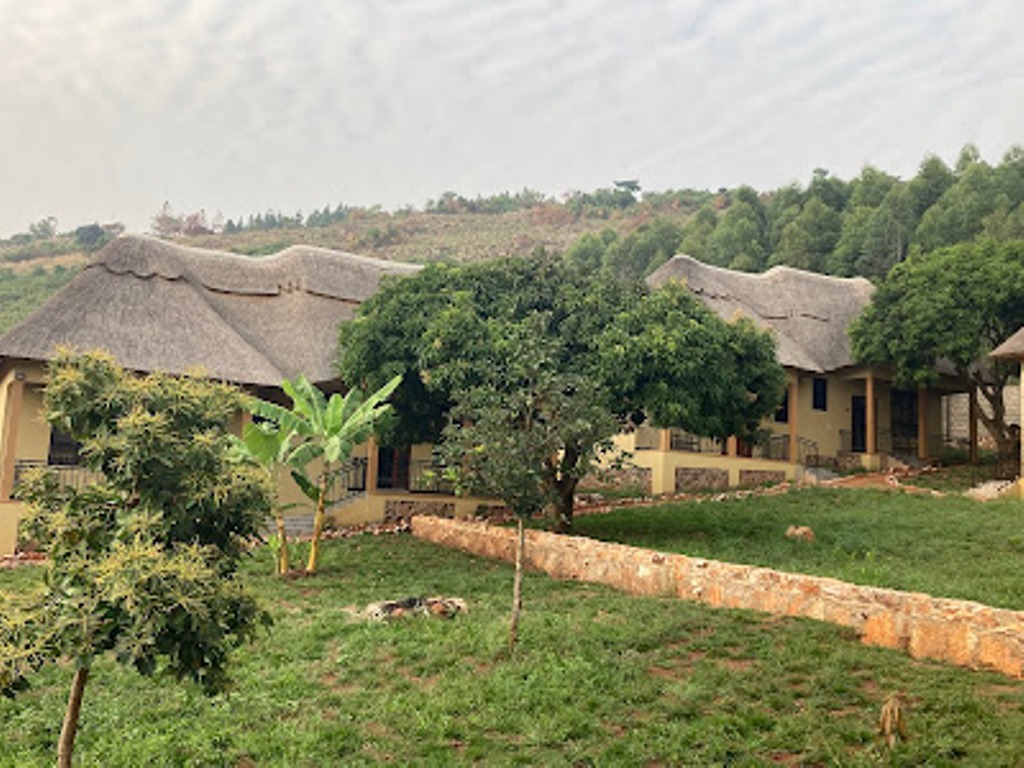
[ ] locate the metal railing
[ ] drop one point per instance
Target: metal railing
(428, 477)
(776, 448)
(71, 475)
(679, 440)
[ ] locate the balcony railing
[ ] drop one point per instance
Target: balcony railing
(680, 440)
(428, 477)
(71, 475)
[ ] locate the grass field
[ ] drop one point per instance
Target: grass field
(600, 678)
(948, 547)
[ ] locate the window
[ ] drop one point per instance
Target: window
(820, 399)
(782, 415)
(63, 449)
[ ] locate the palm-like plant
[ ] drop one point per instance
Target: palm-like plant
(315, 429)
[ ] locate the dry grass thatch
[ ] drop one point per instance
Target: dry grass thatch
(807, 312)
(159, 306)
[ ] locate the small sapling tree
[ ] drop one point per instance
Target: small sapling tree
(525, 432)
(141, 562)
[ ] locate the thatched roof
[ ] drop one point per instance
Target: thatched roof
(808, 313)
(159, 306)
(1012, 348)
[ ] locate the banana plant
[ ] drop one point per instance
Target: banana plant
(321, 433)
(265, 444)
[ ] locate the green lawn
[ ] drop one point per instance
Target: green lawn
(601, 678)
(949, 547)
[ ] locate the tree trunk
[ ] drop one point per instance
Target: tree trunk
(517, 587)
(318, 525)
(283, 566)
(565, 489)
(66, 745)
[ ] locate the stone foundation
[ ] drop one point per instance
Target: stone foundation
(957, 631)
(697, 479)
(761, 477)
(624, 478)
(404, 509)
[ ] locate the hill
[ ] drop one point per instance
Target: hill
(31, 272)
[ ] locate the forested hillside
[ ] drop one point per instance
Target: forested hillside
(861, 226)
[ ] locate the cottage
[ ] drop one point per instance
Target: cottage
(836, 413)
(159, 306)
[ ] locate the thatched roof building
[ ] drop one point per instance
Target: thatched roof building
(159, 306)
(807, 312)
(1012, 348)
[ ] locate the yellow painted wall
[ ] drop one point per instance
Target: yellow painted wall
(823, 427)
(10, 514)
(33, 431)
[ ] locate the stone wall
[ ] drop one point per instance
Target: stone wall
(619, 478)
(957, 631)
(404, 509)
(702, 479)
(955, 410)
(761, 477)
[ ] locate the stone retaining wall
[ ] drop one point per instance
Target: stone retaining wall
(957, 631)
(702, 479)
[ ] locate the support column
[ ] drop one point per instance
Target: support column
(12, 418)
(732, 447)
(972, 424)
(922, 423)
(665, 440)
(871, 438)
(794, 418)
(372, 465)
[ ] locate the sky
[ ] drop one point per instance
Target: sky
(108, 108)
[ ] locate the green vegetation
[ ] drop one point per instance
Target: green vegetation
(549, 361)
(958, 304)
(947, 547)
(314, 434)
(954, 474)
(20, 294)
(600, 678)
(141, 564)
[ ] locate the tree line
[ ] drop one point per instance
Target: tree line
(863, 226)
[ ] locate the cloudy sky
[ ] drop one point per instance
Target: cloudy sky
(110, 107)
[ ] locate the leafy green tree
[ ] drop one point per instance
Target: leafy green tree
(957, 216)
(90, 237)
(845, 257)
(643, 250)
(870, 188)
(956, 304)
(526, 430)
(782, 207)
(1004, 225)
(933, 178)
(808, 240)
(44, 229)
(738, 239)
(696, 234)
(888, 235)
(656, 356)
(455, 349)
(141, 562)
(588, 251)
(832, 191)
(325, 431)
